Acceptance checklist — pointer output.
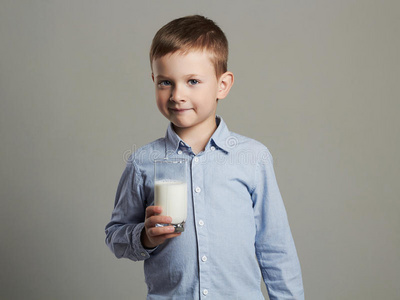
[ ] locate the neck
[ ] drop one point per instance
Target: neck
(196, 137)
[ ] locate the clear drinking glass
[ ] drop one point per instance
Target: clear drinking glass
(170, 190)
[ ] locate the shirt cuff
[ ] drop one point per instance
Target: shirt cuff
(141, 252)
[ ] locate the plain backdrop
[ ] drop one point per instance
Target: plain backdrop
(316, 81)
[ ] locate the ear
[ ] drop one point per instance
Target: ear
(225, 83)
(152, 76)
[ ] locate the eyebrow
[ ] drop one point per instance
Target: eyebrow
(187, 76)
(193, 75)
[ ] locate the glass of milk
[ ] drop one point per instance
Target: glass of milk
(170, 190)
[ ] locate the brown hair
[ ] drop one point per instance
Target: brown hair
(192, 33)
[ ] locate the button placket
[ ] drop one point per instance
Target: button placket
(200, 215)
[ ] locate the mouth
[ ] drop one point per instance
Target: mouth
(179, 110)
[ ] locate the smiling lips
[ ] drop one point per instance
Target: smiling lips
(179, 110)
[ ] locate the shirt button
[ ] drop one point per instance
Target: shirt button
(212, 148)
(143, 254)
(196, 159)
(201, 222)
(198, 190)
(204, 258)
(180, 152)
(205, 292)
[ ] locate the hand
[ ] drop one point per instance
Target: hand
(153, 236)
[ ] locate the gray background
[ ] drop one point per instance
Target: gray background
(316, 81)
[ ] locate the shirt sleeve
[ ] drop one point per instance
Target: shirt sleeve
(127, 220)
(275, 249)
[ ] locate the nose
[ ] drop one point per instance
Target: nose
(177, 94)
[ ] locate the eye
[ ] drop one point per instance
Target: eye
(193, 81)
(164, 83)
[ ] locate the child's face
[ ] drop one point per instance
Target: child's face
(187, 89)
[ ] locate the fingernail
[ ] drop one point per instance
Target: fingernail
(171, 229)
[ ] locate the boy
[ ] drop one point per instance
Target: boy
(236, 222)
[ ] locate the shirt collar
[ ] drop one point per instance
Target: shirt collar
(221, 139)
(172, 141)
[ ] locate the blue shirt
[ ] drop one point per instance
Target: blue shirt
(236, 226)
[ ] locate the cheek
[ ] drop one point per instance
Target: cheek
(162, 103)
(161, 97)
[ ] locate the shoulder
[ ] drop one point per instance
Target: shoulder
(243, 144)
(145, 155)
(157, 145)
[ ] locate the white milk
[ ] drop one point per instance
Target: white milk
(172, 197)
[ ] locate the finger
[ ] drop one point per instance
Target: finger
(172, 235)
(155, 232)
(161, 238)
(153, 210)
(152, 221)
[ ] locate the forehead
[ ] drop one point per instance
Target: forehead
(184, 62)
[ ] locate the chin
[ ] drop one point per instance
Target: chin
(180, 124)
